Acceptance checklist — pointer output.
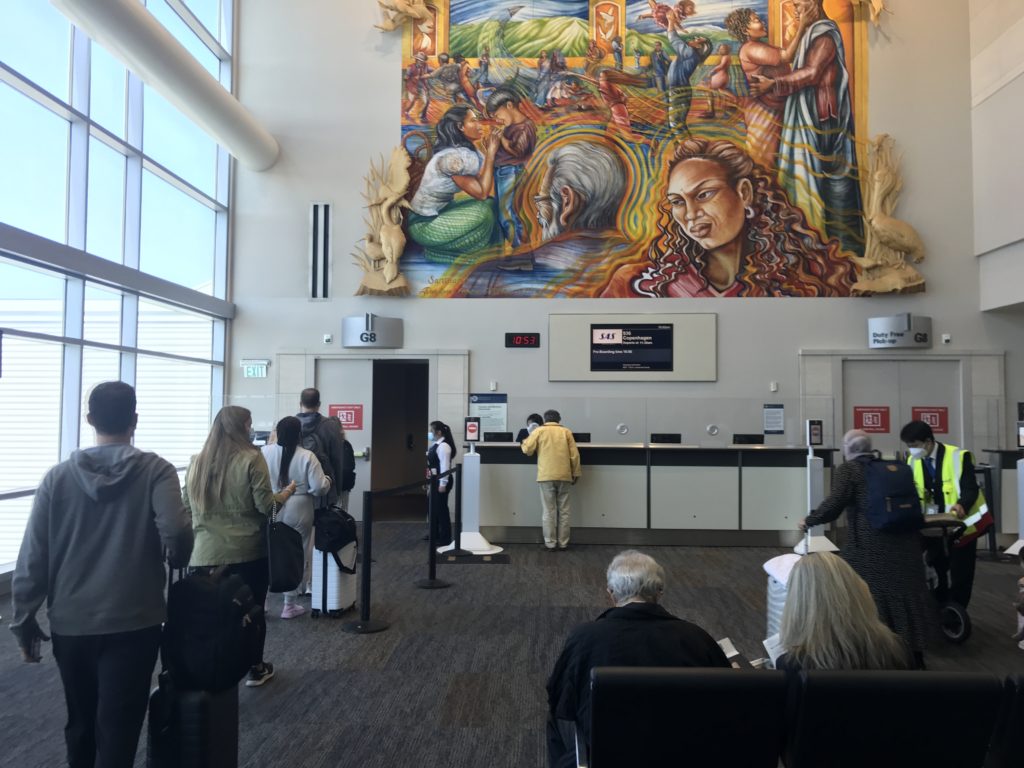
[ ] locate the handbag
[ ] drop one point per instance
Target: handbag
(287, 560)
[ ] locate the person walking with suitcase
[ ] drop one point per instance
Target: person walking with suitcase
(227, 490)
(558, 467)
(93, 550)
(291, 463)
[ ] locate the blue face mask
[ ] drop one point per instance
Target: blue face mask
(430, 437)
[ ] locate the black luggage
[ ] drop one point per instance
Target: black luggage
(192, 729)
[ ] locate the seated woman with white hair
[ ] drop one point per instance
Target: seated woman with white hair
(830, 621)
(635, 632)
(890, 562)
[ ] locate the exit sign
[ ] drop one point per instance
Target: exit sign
(254, 369)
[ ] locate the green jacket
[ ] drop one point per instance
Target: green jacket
(231, 531)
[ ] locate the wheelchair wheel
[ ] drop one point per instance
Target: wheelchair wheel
(956, 624)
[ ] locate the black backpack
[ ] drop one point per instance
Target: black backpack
(334, 529)
(893, 503)
(210, 639)
(312, 441)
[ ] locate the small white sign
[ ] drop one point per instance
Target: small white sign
(774, 419)
(254, 369)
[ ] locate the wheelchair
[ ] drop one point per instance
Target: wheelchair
(953, 618)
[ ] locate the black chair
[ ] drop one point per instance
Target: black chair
(1007, 747)
(667, 716)
(893, 719)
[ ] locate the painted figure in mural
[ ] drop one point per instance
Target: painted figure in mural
(540, 93)
(416, 87)
(577, 203)
(556, 67)
(614, 99)
(445, 227)
(595, 55)
(817, 159)
(617, 52)
(518, 139)
(690, 53)
(638, 52)
(718, 79)
(466, 80)
(659, 67)
(485, 65)
(669, 16)
(761, 114)
(728, 229)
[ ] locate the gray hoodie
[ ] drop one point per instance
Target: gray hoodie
(93, 547)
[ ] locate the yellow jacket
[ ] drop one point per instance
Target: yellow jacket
(558, 458)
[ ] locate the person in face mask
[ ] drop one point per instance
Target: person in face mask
(889, 562)
(439, 460)
(944, 475)
(533, 421)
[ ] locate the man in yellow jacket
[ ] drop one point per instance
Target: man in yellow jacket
(944, 475)
(558, 467)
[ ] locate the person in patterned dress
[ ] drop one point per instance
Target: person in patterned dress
(889, 562)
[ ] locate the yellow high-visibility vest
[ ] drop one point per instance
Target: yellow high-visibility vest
(951, 469)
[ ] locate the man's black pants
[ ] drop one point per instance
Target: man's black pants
(106, 685)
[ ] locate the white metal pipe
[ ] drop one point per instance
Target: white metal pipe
(133, 35)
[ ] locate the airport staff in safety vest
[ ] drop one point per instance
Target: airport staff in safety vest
(944, 475)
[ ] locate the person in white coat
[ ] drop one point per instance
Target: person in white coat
(288, 462)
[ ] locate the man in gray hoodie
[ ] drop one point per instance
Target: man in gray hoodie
(93, 550)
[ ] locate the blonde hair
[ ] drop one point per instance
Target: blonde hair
(830, 620)
(228, 438)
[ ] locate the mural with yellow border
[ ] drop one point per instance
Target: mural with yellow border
(633, 148)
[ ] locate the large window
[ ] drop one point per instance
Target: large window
(93, 160)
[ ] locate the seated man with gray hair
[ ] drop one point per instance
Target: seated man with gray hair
(636, 632)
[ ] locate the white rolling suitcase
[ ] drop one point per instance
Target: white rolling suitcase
(778, 569)
(334, 588)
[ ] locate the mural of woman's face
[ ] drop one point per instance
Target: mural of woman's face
(705, 205)
(755, 28)
(471, 127)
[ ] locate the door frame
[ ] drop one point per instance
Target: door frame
(982, 390)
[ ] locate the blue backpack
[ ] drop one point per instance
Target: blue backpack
(893, 503)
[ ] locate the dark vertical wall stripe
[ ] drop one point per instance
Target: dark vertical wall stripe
(326, 251)
(316, 255)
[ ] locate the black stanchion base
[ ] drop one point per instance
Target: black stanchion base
(364, 627)
(432, 584)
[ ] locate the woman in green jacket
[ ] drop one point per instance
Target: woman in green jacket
(227, 491)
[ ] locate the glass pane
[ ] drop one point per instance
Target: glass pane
(30, 300)
(29, 411)
(107, 87)
(35, 40)
(174, 331)
(177, 143)
(102, 315)
(105, 206)
(172, 21)
(34, 159)
(174, 407)
(178, 235)
(98, 365)
(13, 517)
(208, 13)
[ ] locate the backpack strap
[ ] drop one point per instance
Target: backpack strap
(341, 566)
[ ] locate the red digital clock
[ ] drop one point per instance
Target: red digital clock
(522, 340)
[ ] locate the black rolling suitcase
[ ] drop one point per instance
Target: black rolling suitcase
(192, 729)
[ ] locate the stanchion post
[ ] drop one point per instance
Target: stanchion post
(457, 550)
(365, 625)
(431, 582)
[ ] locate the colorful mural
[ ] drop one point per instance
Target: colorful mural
(605, 148)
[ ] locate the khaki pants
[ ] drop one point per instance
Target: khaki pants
(554, 499)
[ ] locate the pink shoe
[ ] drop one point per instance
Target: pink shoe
(292, 610)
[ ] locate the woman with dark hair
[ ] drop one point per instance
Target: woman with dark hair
(448, 228)
(728, 229)
(439, 460)
(290, 463)
(533, 421)
(228, 493)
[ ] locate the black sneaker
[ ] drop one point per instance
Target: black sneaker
(259, 675)
(546, 548)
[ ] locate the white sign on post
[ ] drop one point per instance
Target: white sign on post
(491, 409)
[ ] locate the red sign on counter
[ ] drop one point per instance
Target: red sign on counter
(351, 415)
(936, 417)
(871, 418)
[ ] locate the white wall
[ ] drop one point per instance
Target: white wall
(326, 84)
(997, 85)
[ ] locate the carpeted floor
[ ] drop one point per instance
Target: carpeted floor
(458, 678)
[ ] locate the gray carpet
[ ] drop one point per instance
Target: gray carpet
(458, 678)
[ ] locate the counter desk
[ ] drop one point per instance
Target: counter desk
(1004, 480)
(635, 493)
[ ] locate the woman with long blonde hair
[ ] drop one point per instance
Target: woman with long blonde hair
(228, 493)
(830, 621)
